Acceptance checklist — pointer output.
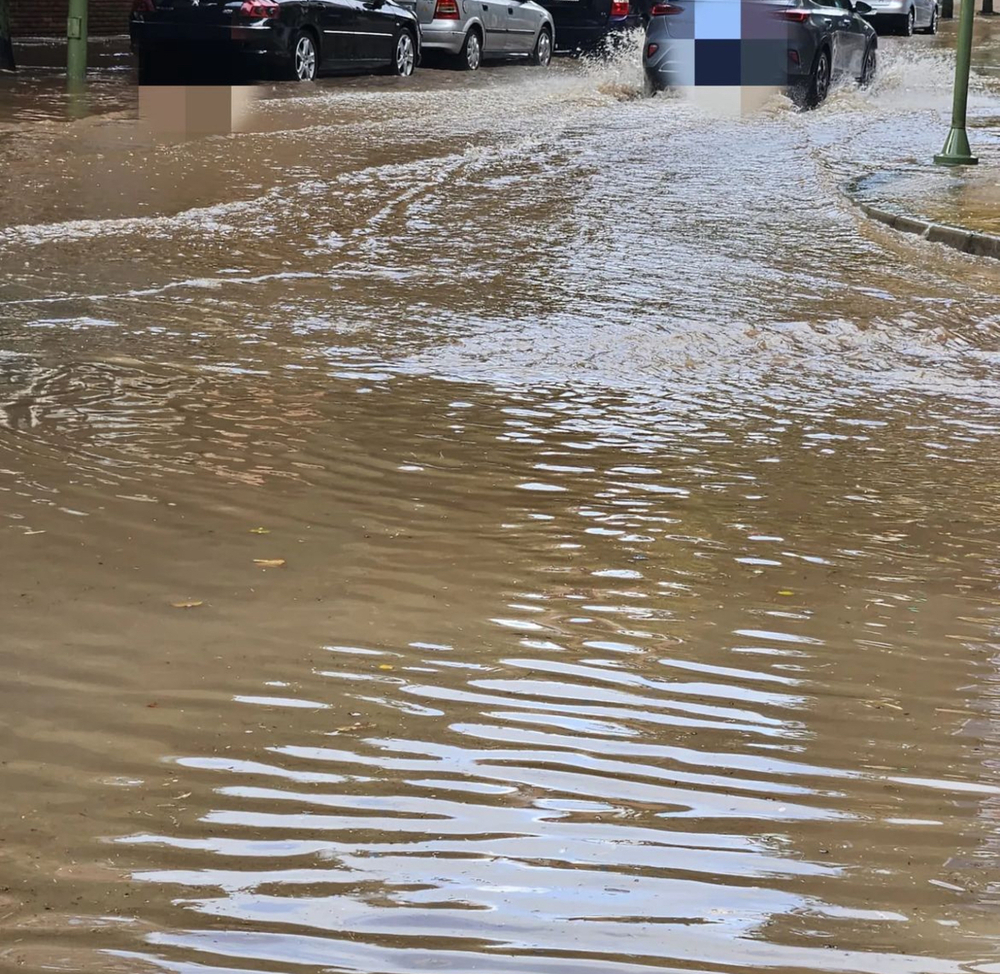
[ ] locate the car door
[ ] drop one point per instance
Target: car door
(493, 14)
(336, 18)
(374, 29)
(523, 20)
(838, 17)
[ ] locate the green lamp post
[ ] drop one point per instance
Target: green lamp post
(956, 151)
(76, 40)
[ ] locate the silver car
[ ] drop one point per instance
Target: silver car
(904, 16)
(470, 31)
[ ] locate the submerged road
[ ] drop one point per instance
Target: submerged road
(495, 523)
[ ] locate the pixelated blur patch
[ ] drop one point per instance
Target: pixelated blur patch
(762, 21)
(717, 63)
(718, 19)
(195, 110)
(763, 62)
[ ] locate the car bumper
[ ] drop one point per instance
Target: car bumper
(588, 37)
(441, 36)
(762, 64)
(888, 9)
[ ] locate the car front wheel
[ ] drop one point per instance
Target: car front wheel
(813, 91)
(931, 28)
(405, 54)
(907, 23)
(542, 54)
(868, 66)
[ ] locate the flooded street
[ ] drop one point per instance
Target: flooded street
(496, 523)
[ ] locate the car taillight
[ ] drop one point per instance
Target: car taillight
(258, 9)
(619, 8)
(446, 10)
(796, 16)
(142, 6)
(665, 10)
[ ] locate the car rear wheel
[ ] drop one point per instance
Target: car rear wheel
(817, 87)
(931, 28)
(542, 54)
(868, 66)
(906, 24)
(304, 60)
(404, 54)
(471, 55)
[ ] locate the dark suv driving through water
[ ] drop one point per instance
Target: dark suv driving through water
(802, 45)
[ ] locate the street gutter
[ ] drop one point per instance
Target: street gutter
(972, 242)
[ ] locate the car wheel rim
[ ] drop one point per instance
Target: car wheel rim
(305, 59)
(869, 67)
(909, 23)
(474, 52)
(544, 48)
(405, 56)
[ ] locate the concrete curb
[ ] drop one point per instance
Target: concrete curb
(967, 241)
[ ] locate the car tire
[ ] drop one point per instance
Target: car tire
(813, 91)
(303, 62)
(906, 24)
(471, 56)
(869, 66)
(542, 55)
(404, 54)
(931, 28)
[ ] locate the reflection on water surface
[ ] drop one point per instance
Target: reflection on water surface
(636, 606)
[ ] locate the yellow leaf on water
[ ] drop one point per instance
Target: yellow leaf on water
(191, 604)
(785, 591)
(269, 562)
(384, 666)
(259, 531)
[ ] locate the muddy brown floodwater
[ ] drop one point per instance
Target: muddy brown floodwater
(495, 524)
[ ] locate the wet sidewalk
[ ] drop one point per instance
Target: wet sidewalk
(958, 206)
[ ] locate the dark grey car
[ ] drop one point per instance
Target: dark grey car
(802, 45)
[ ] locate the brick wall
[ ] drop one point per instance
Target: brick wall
(43, 18)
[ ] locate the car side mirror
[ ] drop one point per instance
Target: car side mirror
(860, 7)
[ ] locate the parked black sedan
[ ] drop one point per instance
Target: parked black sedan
(300, 38)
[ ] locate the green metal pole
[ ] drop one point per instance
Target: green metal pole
(956, 151)
(76, 40)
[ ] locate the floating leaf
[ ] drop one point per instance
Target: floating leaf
(385, 666)
(350, 728)
(191, 604)
(785, 591)
(259, 531)
(269, 562)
